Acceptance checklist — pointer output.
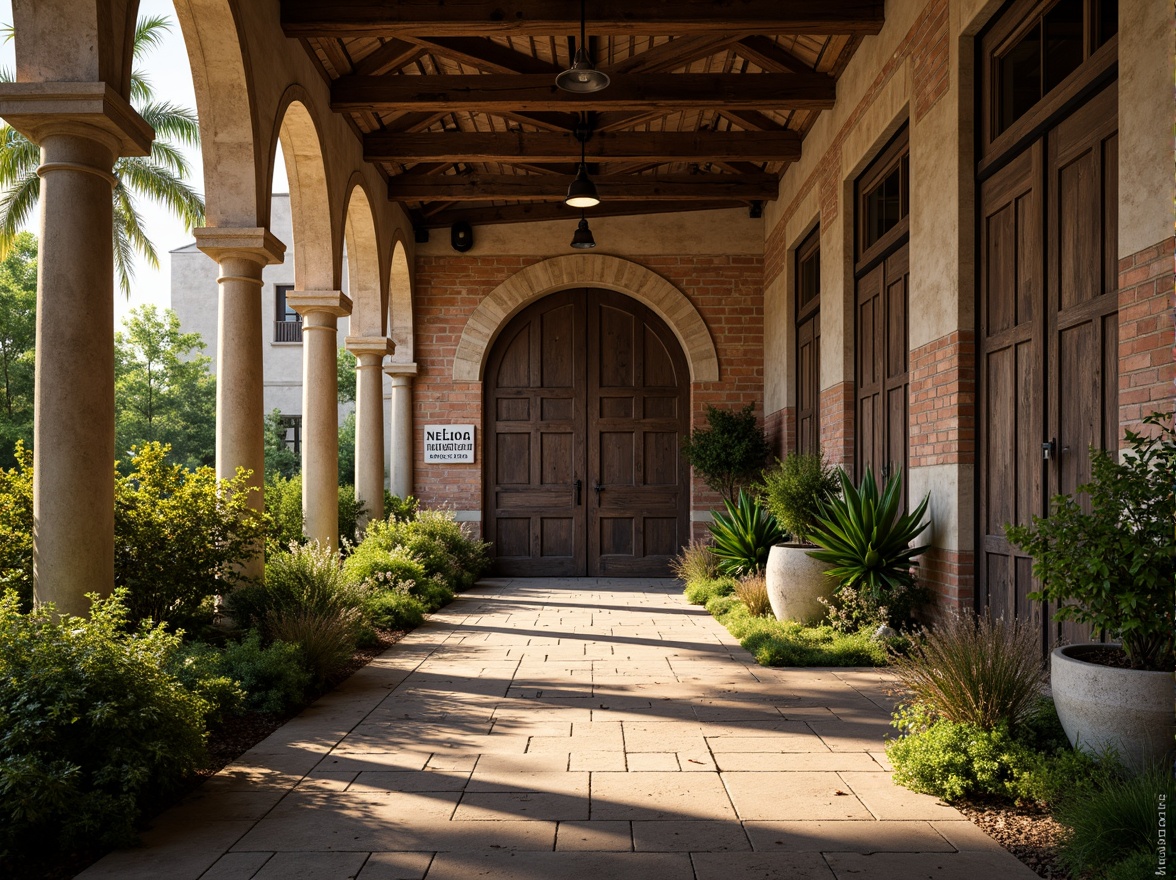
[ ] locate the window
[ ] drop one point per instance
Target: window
(287, 322)
(883, 198)
(808, 343)
(293, 426)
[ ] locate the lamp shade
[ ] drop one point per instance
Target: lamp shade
(582, 191)
(583, 236)
(582, 77)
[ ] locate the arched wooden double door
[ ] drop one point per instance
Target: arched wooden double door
(586, 405)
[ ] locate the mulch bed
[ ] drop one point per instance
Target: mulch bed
(1029, 833)
(226, 743)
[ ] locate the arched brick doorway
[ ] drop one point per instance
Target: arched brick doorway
(586, 403)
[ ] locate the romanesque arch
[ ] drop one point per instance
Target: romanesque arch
(400, 305)
(368, 294)
(591, 270)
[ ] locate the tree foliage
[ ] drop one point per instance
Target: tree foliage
(18, 331)
(164, 390)
(730, 452)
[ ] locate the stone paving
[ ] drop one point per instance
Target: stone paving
(593, 728)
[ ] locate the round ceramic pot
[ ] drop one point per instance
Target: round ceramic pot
(796, 583)
(1100, 707)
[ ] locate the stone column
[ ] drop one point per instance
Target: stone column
(369, 351)
(320, 311)
(81, 129)
(401, 424)
(241, 254)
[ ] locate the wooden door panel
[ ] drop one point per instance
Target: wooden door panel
(808, 341)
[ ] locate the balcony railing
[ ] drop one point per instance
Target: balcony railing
(287, 331)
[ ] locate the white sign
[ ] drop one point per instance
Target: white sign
(449, 444)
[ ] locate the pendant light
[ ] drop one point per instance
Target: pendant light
(582, 238)
(582, 77)
(582, 191)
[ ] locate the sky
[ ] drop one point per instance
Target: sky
(167, 69)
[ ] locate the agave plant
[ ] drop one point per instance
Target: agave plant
(867, 538)
(744, 535)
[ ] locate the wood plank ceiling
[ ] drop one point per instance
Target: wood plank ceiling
(457, 104)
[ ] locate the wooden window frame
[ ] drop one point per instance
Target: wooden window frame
(896, 154)
(286, 331)
(809, 247)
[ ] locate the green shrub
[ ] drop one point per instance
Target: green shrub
(395, 609)
(16, 526)
(794, 491)
(439, 545)
(396, 507)
(199, 668)
(91, 725)
(283, 513)
(752, 591)
(1052, 777)
(376, 563)
(274, 677)
(850, 609)
(327, 639)
(178, 536)
(1142, 864)
(744, 536)
(788, 643)
(981, 672)
(702, 590)
(730, 451)
(695, 562)
(1116, 822)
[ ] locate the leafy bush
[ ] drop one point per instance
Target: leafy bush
(396, 507)
(850, 610)
(744, 536)
(868, 539)
(695, 562)
(16, 526)
(1109, 559)
(271, 679)
(395, 609)
(752, 591)
(439, 545)
(305, 599)
(794, 491)
(373, 562)
(179, 535)
(198, 667)
(91, 725)
(701, 590)
(283, 511)
(788, 643)
(981, 672)
(730, 451)
(1115, 823)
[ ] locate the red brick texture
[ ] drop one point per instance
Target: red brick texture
(837, 411)
(927, 46)
(943, 401)
(950, 575)
(1147, 361)
(780, 427)
(727, 291)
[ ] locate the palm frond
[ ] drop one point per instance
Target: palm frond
(171, 121)
(7, 75)
(142, 90)
(8, 31)
(156, 182)
(149, 33)
(16, 206)
(124, 252)
(19, 157)
(171, 157)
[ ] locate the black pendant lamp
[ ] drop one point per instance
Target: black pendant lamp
(582, 238)
(582, 77)
(582, 191)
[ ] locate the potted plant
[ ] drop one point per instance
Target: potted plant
(794, 490)
(743, 536)
(730, 451)
(1108, 559)
(869, 544)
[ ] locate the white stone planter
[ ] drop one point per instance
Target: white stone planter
(796, 582)
(1130, 710)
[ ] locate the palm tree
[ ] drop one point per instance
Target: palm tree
(160, 176)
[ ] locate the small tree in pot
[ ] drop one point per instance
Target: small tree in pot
(730, 451)
(1108, 559)
(794, 490)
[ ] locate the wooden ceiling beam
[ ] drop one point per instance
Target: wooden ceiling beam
(524, 93)
(658, 146)
(486, 55)
(676, 53)
(537, 211)
(535, 187)
(751, 119)
(767, 54)
(393, 55)
(378, 18)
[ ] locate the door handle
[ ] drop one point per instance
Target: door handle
(578, 485)
(1049, 450)
(597, 488)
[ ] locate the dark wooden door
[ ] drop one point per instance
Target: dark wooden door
(1048, 341)
(808, 385)
(586, 404)
(883, 376)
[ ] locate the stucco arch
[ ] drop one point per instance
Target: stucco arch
(593, 270)
(400, 304)
(235, 191)
(315, 266)
(368, 295)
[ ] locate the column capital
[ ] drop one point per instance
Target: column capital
(406, 370)
(369, 345)
(308, 302)
(91, 110)
(258, 245)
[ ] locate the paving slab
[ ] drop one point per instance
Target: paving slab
(576, 729)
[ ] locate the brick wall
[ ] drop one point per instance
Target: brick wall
(780, 427)
(950, 575)
(837, 409)
(727, 291)
(943, 401)
(1147, 362)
